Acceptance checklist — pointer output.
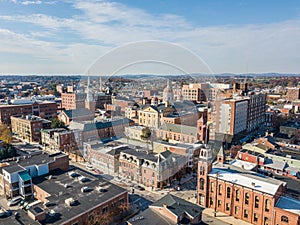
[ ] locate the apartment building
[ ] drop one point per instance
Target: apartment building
(245, 195)
(256, 111)
(17, 175)
(195, 92)
(45, 109)
(231, 115)
(73, 100)
(28, 128)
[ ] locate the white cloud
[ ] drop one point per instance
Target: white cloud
(243, 48)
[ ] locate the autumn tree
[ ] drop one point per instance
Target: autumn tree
(5, 134)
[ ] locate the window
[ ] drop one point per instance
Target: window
(237, 195)
(211, 201)
(227, 207)
(228, 192)
(220, 189)
(245, 213)
(266, 221)
(201, 184)
(212, 187)
(247, 196)
(267, 205)
(219, 203)
(255, 217)
(236, 210)
(284, 219)
(256, 203)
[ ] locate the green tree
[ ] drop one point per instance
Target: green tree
(146, 135)
(56, 123)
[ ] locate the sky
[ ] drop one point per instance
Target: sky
(73, 36)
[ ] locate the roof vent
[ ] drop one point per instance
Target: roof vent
(253, 184)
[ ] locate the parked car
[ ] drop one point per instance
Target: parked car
(89, 167)
(22, 202)
(14, 201)
(140, 188)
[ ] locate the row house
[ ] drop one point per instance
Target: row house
(153, 170)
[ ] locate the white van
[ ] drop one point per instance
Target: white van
(14, 201)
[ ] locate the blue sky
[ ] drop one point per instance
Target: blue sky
(65, 37)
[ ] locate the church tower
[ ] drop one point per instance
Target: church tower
(204, 168)
(201, 130)
(168, 96)
(89, 101)
(221, 155)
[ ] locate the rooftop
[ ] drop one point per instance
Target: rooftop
(289, 204)
(247, 179)
(178, 128)
(65, 185)
(23, 161)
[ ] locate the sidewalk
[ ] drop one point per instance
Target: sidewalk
(224, 217)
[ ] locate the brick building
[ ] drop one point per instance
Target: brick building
(292, 94)
(81, 114)
(60, 139)
(245, 195)
(29, 127)
(17, 176)
(44, 109)
(73, 100)
(154, 170)
(170, 209)
(195, 92)
(102, 129)
(75, 197)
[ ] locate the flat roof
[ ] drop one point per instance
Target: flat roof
(62, 186)
(247, 179)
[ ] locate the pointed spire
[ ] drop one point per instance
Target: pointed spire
(221, 151)
(100, 84)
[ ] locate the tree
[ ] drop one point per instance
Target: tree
(146, 134)
(5, 134)
(56, 123)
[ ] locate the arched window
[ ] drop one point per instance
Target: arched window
(256, 202)
(228, 192)
(284, 219)
(247, 196)
(267, 205)
(201, 184)
(237, 195)
(220, 189)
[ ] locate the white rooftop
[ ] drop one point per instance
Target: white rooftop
(248, 179)
(243, 164)
(289, 204)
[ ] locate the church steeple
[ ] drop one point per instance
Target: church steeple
(89, 102)
(221, 155)
(204, 168)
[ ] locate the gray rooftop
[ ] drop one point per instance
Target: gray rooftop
(86, 200)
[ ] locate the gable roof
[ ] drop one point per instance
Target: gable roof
(74, 113)
(178, 206)
(179, 128)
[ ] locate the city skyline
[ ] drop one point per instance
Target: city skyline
(65, 37)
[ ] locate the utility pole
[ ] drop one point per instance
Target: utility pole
(216, 195)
